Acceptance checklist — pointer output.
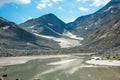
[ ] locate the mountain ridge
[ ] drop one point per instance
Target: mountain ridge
(93, 21)
(100, 31)
(47, 24)
(14, 37)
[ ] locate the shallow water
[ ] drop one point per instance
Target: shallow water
(58, 68)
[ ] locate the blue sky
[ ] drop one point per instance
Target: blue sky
(67, 10)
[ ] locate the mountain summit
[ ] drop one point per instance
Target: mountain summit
(47, 24)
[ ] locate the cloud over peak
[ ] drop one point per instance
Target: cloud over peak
(95, 3)
(57, 0)
(83, 9)
(47, 3)
(99, 2)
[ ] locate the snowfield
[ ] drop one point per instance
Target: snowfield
(63, 42)
(6, 27)
(70, 35)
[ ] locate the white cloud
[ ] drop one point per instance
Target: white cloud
(41, 6)
(57, 0)
(2, 2)
(78, 0)
(46, 3)
(30, 17)
(99, 2)
(83, 1)
(49, 4)
(83, 9)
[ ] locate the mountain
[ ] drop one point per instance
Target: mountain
(107, 38)
(47, 24)
(52, 28)
(85, 25)
(14, 37)
(97, 32)
(100, 29)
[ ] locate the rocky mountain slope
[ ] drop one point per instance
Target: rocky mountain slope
(105, 17)
(50, 27)
(107, 38)
(47, 24)
(99, 32)
(100, 29)
(14, 37)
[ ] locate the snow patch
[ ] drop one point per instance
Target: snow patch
(112, 11)
(116, 24)
(32, 27)
(50, 24)
(63, 42)
(29, 43)
(34, 31)
(6, 27)
(86, 28)
(69, 34)
(103, 36)
(67, 43)
(108, 9)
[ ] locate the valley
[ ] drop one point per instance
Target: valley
(47, 48)
(88, 33)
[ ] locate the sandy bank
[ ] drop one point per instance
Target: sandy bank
(4, 61)
(103, 62)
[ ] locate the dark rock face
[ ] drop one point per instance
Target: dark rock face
(46, 25)
(11, 30)
(11, 35)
